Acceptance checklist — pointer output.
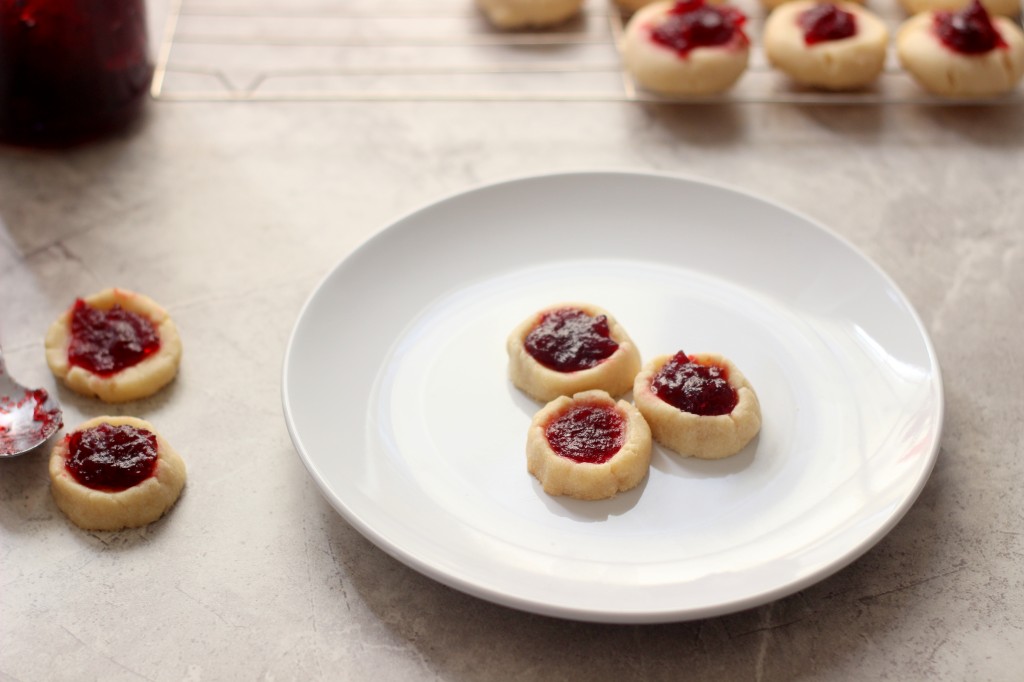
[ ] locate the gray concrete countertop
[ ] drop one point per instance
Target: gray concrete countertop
(230, 213)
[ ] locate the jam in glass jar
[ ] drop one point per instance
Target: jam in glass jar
(71, 70)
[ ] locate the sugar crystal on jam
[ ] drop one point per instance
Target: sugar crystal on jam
(569, 340)
(111, 458)
(108, 341)
(694, 387)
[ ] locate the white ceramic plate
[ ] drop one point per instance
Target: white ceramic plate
(397, 400)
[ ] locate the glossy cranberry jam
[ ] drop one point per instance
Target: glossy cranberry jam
(826, 22)
(46, 418)
(587, 433)
(111, 458)
(569, 340)
(107, 341)
(695, 388)
(691, 24)
(969, 31)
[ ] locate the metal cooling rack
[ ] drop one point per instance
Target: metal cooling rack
(444, 50)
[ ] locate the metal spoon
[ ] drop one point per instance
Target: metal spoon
(27, 416)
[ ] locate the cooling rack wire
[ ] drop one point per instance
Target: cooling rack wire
(444, 50)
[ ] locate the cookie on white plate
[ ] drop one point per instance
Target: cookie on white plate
(571, 347)
(588, 446)
(698, 405)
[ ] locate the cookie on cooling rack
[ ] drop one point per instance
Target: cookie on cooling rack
(514, 14)
(686, 48)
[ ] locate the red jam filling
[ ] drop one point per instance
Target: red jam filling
(695, 388)
(107, 341)
(111, 458)
(691, 24)
(568, 340)
(969, 31)
(45, 420)
(826, 22)
(587, 433)
(37, 398)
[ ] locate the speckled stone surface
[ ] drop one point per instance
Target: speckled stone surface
(229, 214)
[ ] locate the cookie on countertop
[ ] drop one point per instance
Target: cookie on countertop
(115, 472)
(116, 345)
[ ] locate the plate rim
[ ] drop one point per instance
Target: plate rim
(601, 615)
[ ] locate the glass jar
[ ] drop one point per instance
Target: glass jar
(71, 70)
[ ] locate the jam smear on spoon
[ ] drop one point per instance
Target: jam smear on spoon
(111, 458)
(569, 340)
(694, 387)
(18, 433)
(108, 341)
(587, 433)
(691, 24)
(969, 31)
(826, 22)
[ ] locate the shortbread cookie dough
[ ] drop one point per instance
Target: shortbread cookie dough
(772, 4)
(115, 472)
(116, 345)
(698, 405)
(571, 347)
(631, 6)
(962, 54)
(686, 48)
(837, 46)
(1005, 8)
(511, 14)
(588, 446)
